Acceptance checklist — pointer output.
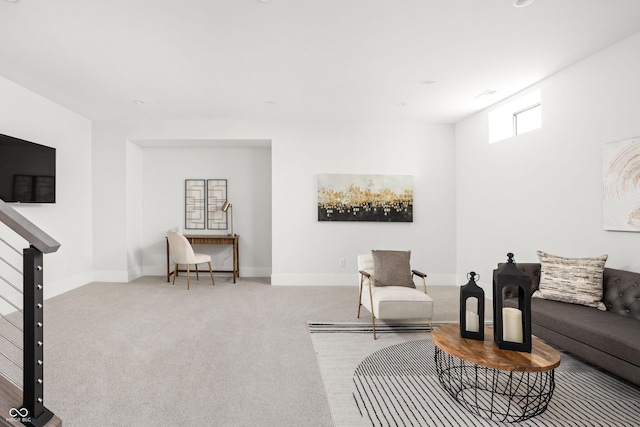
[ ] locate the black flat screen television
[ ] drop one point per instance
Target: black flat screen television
(27, 171)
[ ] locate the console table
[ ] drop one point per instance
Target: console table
(212, 240)
(502, 385)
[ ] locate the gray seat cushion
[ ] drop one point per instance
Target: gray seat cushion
(609, 332)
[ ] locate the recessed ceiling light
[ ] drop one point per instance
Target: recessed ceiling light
(139, 102)
(522, 3)
(486, 93)
(269, 102)
(401, 104)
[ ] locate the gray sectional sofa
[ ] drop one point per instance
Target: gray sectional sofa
(609, 339)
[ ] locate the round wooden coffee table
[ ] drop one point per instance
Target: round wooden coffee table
(502, 385)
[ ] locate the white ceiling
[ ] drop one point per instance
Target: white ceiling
(297, 59)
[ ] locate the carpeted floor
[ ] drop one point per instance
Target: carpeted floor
(392, 381)
(147, 353)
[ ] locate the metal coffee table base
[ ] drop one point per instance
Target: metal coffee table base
(500, 395)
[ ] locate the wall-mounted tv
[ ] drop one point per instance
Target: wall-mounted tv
(27, 171)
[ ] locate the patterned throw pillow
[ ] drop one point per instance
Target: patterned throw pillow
(572, 280)
(392, 268)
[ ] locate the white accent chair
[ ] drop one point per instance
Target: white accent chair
(182, 253)
(392, 302)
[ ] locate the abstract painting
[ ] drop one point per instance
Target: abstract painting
(216, 196)
(621, 185)
(194, 204)
(382, 198)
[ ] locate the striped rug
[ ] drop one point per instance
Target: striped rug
(366, 328)
(393, 382)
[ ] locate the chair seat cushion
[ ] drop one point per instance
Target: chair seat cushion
(202, 258)
(398, 302)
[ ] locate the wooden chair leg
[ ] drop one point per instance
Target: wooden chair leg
(175, 273)
(188, 277)
(360, 295)
(373, 322)
(197, 277)
(373, 314)
(211, 272)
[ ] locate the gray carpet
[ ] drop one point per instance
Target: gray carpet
(393, 382)
(151, 354)
(147, 353)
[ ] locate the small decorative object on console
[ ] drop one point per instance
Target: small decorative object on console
(512, 325)
(472, 309)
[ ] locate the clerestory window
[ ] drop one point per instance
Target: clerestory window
(515, 118)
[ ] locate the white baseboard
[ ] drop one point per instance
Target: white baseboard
(255, 271)
(124, 276)
(441, 279)
(53, 289)
(161, 270)
(116, 276)
(346, 279)
(314, 279)
(61, 286)
(487, 286)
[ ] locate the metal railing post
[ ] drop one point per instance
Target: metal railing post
(33, 383)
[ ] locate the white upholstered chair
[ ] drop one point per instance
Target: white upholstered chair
(386, 301)
(182, 253)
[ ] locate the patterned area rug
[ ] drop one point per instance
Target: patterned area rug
(393, 382)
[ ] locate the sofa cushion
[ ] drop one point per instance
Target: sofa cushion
(613, 334)
(392, 268)
(571, 280)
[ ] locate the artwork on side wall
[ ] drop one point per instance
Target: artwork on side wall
(382, 198)
(621, 185)
(194, 196)
(216, 196)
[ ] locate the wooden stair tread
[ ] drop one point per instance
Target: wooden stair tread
(11, 397)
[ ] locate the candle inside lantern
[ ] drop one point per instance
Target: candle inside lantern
(512, 324)
(472, 322)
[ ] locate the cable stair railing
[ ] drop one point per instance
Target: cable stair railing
(22, 321)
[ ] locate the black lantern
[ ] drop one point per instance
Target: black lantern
(512, 324)
(472, 310)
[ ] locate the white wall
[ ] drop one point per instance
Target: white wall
(26, 115)
(306, 251)
(303, 251)
(543, 190)
(135, 210)
(109, 209)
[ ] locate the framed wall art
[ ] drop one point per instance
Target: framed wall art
(195, 196)
(381, 198)
(216, 196)
(621, 185)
